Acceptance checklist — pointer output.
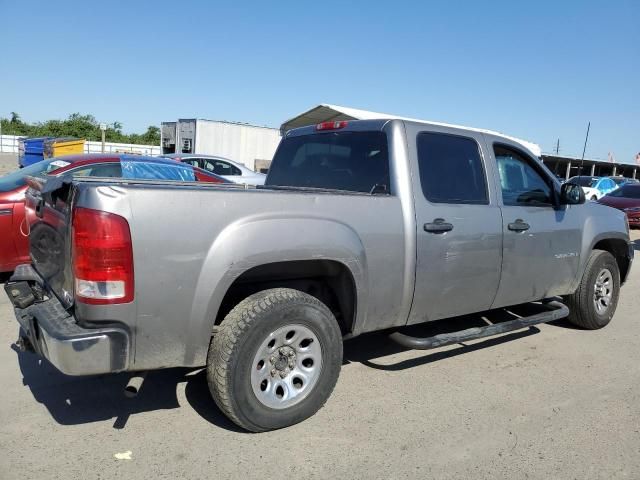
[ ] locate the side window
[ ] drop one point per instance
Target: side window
(111, 170)
(451, 169)
(221, 168)
(521, 183)
(194, 162)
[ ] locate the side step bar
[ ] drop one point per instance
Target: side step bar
(558, 311)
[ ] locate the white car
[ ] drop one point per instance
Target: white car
(594, 187)
(232, 171)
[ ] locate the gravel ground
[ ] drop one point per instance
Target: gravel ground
(8, 163)
(548, 402)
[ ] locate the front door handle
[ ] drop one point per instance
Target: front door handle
(519, 226)
(438, 226)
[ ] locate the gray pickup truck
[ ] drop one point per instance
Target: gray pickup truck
(361, 226)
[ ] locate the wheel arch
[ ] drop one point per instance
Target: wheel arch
(277, 251)
(619, 248)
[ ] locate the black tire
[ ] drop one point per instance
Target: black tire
(582, 302)
(242, 334)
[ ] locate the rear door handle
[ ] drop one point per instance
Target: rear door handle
(438, 226)
(519, 226)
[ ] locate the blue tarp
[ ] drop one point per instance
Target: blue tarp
(137, 170)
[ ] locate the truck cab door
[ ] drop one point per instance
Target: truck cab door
(459, 226)
(542, 242)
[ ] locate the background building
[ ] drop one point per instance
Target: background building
(567, 167)
(250, 145)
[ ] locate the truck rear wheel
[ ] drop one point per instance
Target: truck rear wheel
(274, 360)
(594, 303)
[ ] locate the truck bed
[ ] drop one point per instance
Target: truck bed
(191, 241)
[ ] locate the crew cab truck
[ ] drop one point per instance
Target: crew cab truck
(361, 226)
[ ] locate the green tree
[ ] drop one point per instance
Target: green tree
(151, 136)
(79, 126)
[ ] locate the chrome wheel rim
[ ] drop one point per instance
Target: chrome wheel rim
(603, 291)
(286, 366)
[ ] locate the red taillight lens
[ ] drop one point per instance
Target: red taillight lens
(102, 257)
(331, 125)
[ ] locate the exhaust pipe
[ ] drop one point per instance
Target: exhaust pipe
(134, 385)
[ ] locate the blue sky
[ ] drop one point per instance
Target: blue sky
(538, 70)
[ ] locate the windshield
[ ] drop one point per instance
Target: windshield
(584, 181)
(626, 191)
(19, 177)
(351, 161)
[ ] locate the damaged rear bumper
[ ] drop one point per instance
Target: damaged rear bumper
(55, 334)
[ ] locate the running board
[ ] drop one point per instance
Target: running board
(558, 311)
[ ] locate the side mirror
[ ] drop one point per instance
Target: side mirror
(571, 194)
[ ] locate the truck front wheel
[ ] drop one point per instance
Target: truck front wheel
(274, 360)
(594, 303)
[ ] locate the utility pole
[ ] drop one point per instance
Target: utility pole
(557, 147)
(586, 139)
(103, 130)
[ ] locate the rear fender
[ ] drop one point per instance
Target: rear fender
(260, 240)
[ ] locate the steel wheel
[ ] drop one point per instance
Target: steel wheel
(286, 366)
(603, 291)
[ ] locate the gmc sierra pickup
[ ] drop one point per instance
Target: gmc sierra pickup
(360, 226)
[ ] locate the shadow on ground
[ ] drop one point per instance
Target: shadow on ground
(636, 244)
(80, 400)
(369, 347)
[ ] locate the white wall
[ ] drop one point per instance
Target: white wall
(96, 147)
(241, 143)
(9, 144)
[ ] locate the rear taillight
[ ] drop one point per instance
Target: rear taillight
(331, 125)
(102, 257)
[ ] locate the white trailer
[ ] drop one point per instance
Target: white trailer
(168, 137)
(250, 145)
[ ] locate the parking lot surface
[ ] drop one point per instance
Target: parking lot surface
(548, 402)
(8, 163)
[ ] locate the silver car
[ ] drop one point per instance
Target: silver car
(232, 171)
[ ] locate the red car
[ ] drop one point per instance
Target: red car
(14, 234)
(627, 199)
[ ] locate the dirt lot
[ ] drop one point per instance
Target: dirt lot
(8, 163)
(548, 402)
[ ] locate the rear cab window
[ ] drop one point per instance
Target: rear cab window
(451, 169)
(353, 161)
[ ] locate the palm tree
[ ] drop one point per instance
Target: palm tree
(15, 118)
